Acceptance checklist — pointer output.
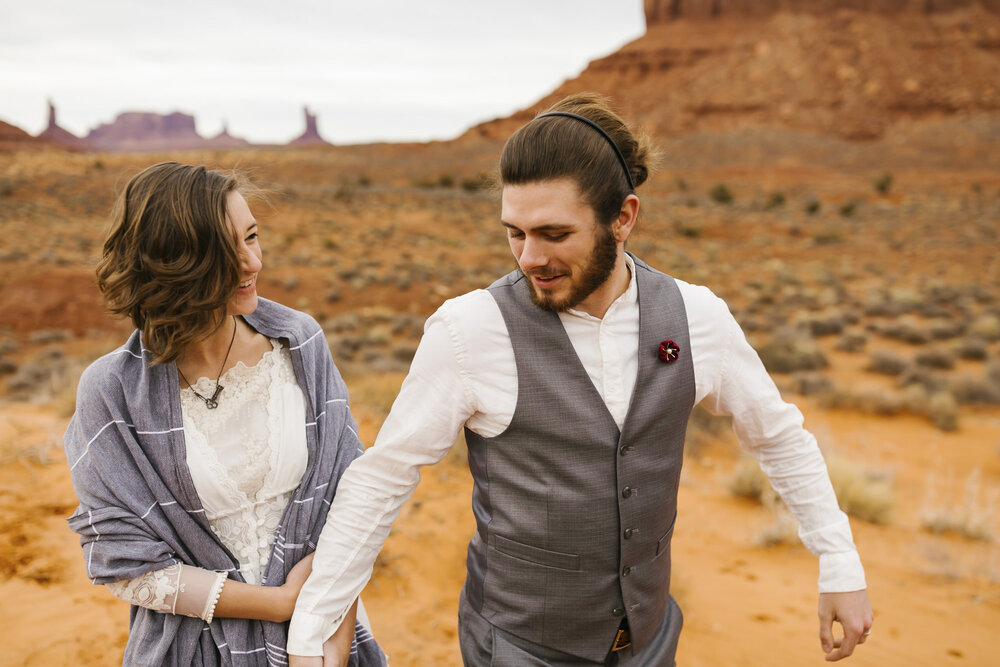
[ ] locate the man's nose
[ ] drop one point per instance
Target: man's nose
(533, 255)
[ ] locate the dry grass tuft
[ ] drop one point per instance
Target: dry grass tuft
(863, 494)
(973, 516)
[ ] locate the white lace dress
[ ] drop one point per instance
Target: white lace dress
(246, 458)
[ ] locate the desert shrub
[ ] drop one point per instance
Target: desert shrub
(884, 362)
(364, 181)
(847, 209)
(44, 336)
(720, 194)
(972, 517)
(883, 183)
(828, 325)
(7, 366)
(787, 353)
(809, 384)
(861, 493)
(993, 372)
(906, 332)
(410, 327)
(852, 342)
(704, 427)
(446, 181)
(41, 377)
(871, 402)
(918, 376)
(973, 349)
(942, 410)
(882, 307)
(812, 206)
(344, 193)
(404, 351)
(681, 184)
(749, 481)
(946, 330)
(783, 530)
(936, 358)
(987, 327)
(688, 228)
(969, 390)
(828, 237)
(378, 335)
(776, 200)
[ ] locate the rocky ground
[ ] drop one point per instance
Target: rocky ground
(867, 279)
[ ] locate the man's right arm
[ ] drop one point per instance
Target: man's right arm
(434, 403)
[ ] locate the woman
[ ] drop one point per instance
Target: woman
(205, 451)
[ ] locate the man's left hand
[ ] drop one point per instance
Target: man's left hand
(854, 613)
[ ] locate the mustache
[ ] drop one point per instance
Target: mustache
(544, 273)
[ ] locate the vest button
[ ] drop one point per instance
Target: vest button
(627, 492)
(626, 570)
(625, 449)
(617, 612)
(628, 533)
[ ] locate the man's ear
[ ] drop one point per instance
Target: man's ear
(625, 223)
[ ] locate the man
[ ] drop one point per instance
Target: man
(574, 378)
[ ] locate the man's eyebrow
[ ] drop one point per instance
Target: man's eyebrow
(552, 227)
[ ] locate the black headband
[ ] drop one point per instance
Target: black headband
(621, 158)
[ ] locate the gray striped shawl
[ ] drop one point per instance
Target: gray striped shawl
(139, 510)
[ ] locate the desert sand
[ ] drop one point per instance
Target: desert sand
(816, 257)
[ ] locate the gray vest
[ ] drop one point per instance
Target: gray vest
(574, 518)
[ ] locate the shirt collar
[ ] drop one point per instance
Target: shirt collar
(628, 298)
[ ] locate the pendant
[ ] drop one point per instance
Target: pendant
(213, 403)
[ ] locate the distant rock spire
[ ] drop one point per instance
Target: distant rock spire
(311, 136)
(58, 135)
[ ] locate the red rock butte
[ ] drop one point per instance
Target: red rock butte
(846, 68)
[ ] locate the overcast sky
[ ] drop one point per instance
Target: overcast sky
(379, 70)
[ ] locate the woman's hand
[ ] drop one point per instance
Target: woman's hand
(337, 649)
(293, 584)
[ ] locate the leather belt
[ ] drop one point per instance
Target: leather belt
(623, 639)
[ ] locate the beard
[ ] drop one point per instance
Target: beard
(595, 273)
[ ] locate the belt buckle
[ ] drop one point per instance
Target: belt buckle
(622, 640)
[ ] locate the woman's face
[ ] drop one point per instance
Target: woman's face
(245, 227)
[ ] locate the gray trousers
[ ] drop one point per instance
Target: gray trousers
(485, 645)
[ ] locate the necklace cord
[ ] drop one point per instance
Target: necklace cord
(213, 402)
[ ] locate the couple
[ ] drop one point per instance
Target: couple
(212, 453)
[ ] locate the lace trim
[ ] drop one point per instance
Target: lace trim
(213, 598)
(156, 590)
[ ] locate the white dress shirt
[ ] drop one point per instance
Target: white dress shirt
(464, 374)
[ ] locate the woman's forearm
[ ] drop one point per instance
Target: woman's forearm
(265, 603)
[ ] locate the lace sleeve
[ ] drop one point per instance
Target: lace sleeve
(177, 589)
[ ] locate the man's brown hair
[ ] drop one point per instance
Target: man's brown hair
(171, 260)
(561, 147)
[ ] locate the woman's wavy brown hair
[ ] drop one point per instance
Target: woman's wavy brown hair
(171, 261)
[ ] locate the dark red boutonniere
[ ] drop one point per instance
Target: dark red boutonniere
(669, 351)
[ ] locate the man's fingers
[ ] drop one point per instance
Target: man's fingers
(845, 645)
(826, 633)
